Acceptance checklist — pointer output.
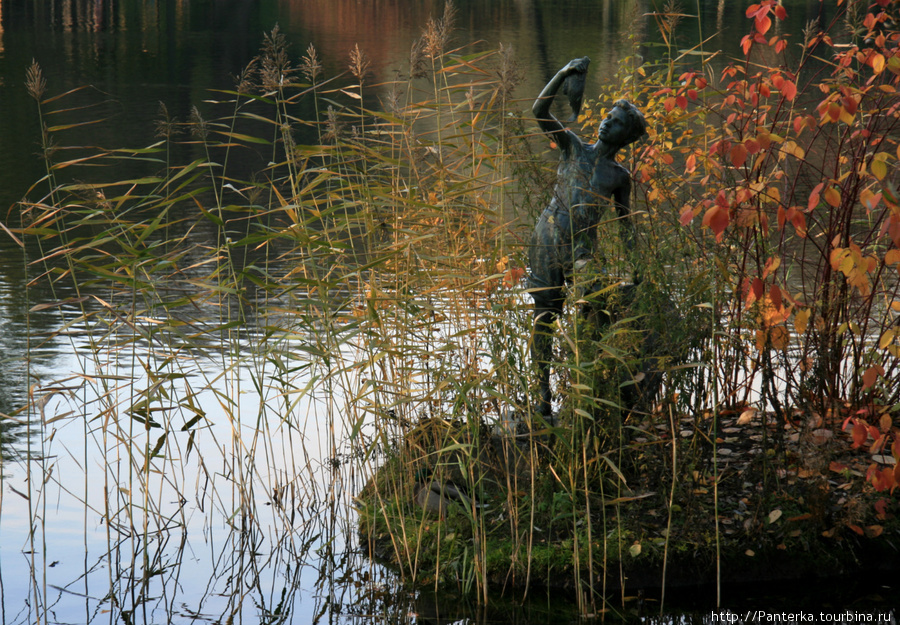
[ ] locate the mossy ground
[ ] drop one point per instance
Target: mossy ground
(806, 510)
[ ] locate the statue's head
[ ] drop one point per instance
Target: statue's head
(624, 124)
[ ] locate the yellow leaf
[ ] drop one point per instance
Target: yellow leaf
(780, 337)
(635, 549)
(801, 320)
(879, 169)
(833, 196)
(774, 515)
(892, 257)
(772, 265)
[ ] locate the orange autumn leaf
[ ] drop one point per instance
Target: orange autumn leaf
(870, 376)
(780, 337)
(860, 433)
(738, 154)
(814, 196)
(789, 90)
(876, 62)
(869, 199)
(717, 219)
(883, 479)
(513, 276)
(874, 531)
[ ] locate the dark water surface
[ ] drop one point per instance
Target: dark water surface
(131, 55)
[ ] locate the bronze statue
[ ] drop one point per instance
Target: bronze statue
(563, 238)
(573, 86)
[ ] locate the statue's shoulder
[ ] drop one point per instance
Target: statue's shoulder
(573, 147)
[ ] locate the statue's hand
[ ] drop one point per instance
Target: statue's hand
(576, 66)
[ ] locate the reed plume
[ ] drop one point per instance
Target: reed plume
(35, 83)
(199, 127)
(437, 32)
(359, 64)
(166, 125)
(275, 65)
(311, 66)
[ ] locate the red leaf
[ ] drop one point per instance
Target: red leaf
(780, 12)
(746, 42)
(799, 220)
(815, 195)
(717, 219)
(834, 111)
(722, 200)
(757, 288)
(687, 215)
(738, 155)
(763, 24)
(789, 90)
(860, 434)
(882, 479)
(775, 296)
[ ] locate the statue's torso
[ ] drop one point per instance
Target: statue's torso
(586, 183)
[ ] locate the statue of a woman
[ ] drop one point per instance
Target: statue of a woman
(563, 238)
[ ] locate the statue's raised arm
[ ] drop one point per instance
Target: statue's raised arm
(571, 79)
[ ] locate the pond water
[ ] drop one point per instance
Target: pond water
(89, 535)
